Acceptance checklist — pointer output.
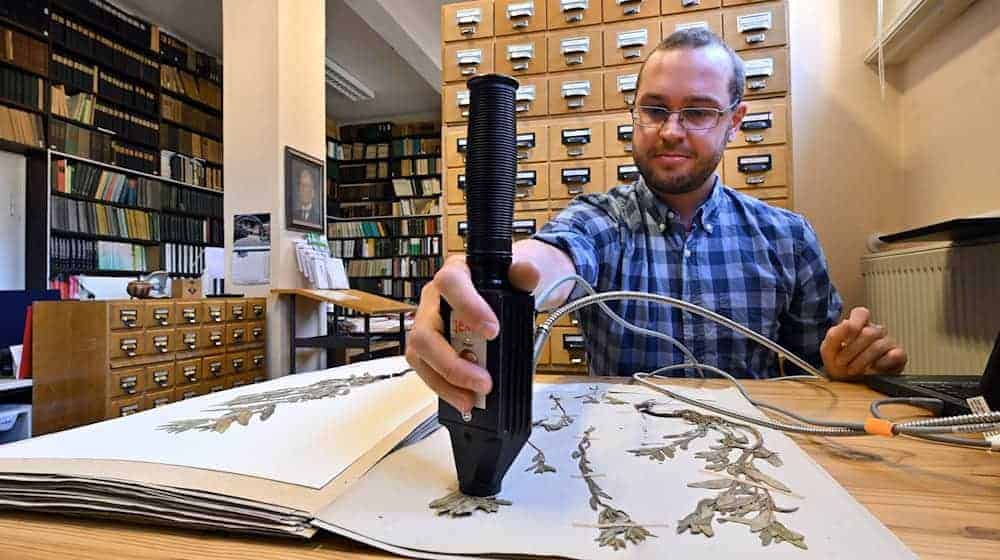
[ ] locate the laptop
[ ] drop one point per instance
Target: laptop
(952, 390)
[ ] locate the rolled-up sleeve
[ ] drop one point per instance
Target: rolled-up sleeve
(586, 232)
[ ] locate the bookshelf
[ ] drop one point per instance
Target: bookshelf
(385, 203)
(100, 88)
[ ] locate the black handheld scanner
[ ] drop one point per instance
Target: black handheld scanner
(486, 443)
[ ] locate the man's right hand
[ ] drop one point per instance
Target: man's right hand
(453, 378)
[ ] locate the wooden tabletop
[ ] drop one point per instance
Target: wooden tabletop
(356, 300)
(943, 502)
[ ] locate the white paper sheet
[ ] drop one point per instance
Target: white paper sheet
(389, 507)
(306, 443)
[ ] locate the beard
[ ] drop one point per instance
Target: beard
(665, 184)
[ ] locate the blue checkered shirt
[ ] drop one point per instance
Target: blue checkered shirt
(756, 264)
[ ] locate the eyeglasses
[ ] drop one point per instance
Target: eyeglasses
(691, 118)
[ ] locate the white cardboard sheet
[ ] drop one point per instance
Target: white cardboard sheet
(389, 506)
(305, 443)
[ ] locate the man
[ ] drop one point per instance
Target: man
(677, 231)
(308, 207)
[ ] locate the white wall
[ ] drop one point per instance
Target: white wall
(12, 212)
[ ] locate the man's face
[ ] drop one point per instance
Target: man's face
(674, 160)
(306, 188)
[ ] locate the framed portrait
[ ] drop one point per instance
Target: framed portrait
(305, 192)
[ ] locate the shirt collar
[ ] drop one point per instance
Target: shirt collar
(661, 213)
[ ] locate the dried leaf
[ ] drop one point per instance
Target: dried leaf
(763, 519)
(714, 484)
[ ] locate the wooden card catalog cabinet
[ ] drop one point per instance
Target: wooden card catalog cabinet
(620, 86)
(583, 92)
(531, 183)
(695, 20)
(521, 55)
(630, 42)
(681, 6)
(102, 359)
(531, 98)
(573, 13)
(519, 16)
(575, 49)
(532, 142)
(618, 131)
(620, 171)
(467, 20)
(756, 26)
(617, 10)
(467, 59)
(576, 138)
(765, 123)
(766, 71)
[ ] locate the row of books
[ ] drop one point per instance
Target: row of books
(90, 181)
(175, 52)
(356, 173)
(189, 143)
(400, 267)
(131, 127)
(86, 255)
(99, 146)
(386, 247)
(416, 166)
(134, 158)
(372, 191)
(428, 186)
(22, 127)
(404, 289)
(334, 149)
(183, 229)
(32, 14)
(24, 51)
(23, 88)
(416, 146)
(74, 74)
(179, 258)
(373, 132)
(78, 107)
(394, 228)
(134, 96)
(74, 36)
(360, 150)
(415, 207)
(189, 170)
(424, 128)
(185, 83)
(111, 18)
(70, 215)
(180, 112)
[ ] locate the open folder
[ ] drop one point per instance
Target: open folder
(354, 451)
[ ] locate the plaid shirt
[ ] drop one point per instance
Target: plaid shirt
(756, 264)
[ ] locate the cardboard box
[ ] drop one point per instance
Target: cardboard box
(186, 288)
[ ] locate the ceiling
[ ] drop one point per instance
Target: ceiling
(392, 46)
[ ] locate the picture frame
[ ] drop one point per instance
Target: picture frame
(305, 192)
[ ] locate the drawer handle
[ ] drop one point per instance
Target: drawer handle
(160, 402)
(239, 383)
(128, 384)
(631, 9)
(258, 360)
(161, 378)
(129, 410)
(215, 368)
(188, 395)
(215, 338)
(574, 16)
(191, 373)
(161, 343)
(466, 29)
(129, 317)
(215, 314)
(129, 346)
(238, 364)
(756, 179)
(469, 70)
(190, 315)
(689, 3)
(216, 389)
(756, 38)
(191, 340)
(161, 316)
(632, 53)
(757, 84)
(238, 313)
(754, 138)
(258, 310)
(576, 361)
(238, 335)
(257, 332)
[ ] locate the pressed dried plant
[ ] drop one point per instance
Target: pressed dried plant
(457, 504)
(617, 528)
(557, 422)
(242, 409)
(748, 500)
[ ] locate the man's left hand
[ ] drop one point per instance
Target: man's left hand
(857, 346)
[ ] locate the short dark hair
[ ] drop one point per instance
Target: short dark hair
(698, 38)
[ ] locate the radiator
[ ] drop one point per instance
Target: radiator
(941, 303)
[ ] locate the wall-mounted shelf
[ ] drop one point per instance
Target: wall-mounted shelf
(913, 27)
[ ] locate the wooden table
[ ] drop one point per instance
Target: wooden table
(943, 502)
(361, 302)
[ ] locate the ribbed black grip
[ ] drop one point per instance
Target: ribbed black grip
(490, 171)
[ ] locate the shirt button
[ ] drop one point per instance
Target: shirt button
(708, 228)
(671, 215)
(663, 227)
(687, 253)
